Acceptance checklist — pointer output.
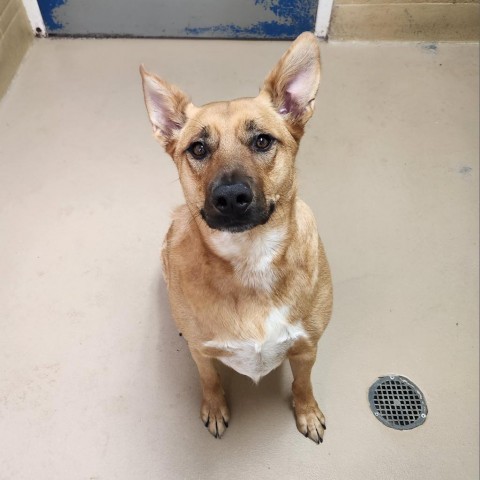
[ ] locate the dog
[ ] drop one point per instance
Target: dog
(247, 276)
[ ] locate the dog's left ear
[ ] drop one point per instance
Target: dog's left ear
(293, 83)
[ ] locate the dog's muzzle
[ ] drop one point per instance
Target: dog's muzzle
(235, 207)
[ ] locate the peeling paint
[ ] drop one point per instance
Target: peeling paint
(292, 18)
(48, 8)
(180, 18)
(259, 30)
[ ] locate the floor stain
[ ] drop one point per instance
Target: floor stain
(465, 170)
(430, 48)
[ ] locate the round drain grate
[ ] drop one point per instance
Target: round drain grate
(397, 402)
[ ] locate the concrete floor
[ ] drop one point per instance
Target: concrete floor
(95, 382)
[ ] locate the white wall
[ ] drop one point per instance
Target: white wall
(324, 13)
(35, 17)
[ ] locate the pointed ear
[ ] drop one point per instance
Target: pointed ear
(166, 106)
(293, 83)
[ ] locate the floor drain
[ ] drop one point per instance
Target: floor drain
(397, 402)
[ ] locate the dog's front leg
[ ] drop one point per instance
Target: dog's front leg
(214, 410)
(309, 418)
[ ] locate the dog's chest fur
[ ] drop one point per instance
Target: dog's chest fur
(256, 358)
(251, 256)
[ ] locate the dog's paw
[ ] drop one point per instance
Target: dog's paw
(310, 421)
(215, 415)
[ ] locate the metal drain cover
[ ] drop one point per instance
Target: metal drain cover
(397, 402)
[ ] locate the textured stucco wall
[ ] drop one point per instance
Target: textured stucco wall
(430, 20)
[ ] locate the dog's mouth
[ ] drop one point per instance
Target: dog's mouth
(252, 218)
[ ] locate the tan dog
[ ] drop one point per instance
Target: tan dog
(248, 280)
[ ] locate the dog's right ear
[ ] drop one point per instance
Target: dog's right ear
(166, 106)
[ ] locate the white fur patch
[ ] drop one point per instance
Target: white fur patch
(251, 255)
(257, 358)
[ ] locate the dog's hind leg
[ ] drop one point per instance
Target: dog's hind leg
(214, 410)
(309, 418)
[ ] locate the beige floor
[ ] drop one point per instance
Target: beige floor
(95, 382)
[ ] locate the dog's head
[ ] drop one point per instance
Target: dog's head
(236, 159)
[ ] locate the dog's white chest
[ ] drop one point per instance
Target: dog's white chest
(250, 257)
(257, 358)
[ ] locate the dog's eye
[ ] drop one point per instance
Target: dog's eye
(263, 141)
(198, 150)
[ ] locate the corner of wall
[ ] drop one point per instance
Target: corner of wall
(15, 37)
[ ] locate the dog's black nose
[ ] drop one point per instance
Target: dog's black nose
(233, 198)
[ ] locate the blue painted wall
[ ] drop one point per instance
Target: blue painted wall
(279, 19)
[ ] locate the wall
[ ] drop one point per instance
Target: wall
(15, 37)
(433, 20)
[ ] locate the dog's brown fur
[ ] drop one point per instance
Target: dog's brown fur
(223, 286)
